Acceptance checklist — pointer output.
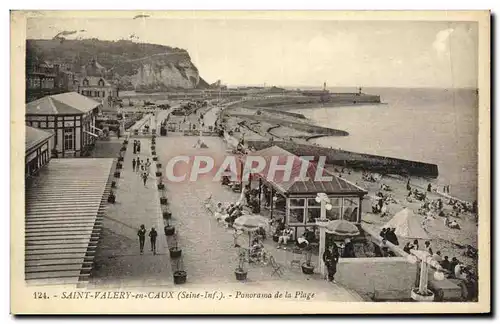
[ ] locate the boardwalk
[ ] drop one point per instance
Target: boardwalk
(64, 208)
(118, 261)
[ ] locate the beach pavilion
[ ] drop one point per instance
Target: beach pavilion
(294, 200)
(71, 117)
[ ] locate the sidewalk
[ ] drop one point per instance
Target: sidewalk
(118, 262)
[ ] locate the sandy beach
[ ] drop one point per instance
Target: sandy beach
(451, 242)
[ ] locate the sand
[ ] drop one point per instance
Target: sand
(450, 242)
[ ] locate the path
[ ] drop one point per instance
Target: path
(118, 261)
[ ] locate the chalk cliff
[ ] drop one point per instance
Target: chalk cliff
(148, 67)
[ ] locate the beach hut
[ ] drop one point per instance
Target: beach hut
(297, 194)
(407, 225)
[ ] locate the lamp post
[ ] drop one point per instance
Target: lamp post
(323, 199)
(425, 259)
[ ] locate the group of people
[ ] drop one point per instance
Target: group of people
(415, 246)
(141, 233)
(454, 268)
(137, 147)
(416, 194)
(461, 206)
(252, 199)
(389, 234)
(379, 205)
(284, 234)
(143, 168)
(228, 214)
(367, 176)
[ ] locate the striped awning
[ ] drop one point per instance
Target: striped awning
(64, 210)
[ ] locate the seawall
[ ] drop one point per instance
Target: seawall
(354, 160)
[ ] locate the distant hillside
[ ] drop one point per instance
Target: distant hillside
(132, 65)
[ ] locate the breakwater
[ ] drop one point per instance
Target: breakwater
(355, 160)
(300, 126)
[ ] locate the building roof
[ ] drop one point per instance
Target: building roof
(94, 81)
(63, 207)
(68, 103)
(296, 184)
(35, 136)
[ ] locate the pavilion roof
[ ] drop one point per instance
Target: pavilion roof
(313, 181)
(35, 136)
(68, 103)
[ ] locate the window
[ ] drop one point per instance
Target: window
(101, 83)
(313, 210)
(350, 209)
(335, 212)
(85, 82)
(69, 134)
(296, 216)
(297, 211)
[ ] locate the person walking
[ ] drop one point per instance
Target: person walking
(142, 237)
(135, 146)
(148, 165)
(331, 258)
(152, 235)
(144, 178)
(133, 164)
(138, 147)
(137, 164)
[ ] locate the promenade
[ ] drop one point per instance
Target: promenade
(209, 255)
(118, 261)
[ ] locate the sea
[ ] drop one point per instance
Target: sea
(437, 126)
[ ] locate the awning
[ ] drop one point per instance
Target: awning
(64, 209)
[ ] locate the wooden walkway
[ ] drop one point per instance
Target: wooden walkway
(64, 209)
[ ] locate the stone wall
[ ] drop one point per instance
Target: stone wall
(378, 278)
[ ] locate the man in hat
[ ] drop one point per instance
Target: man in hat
(152, 235)
(142, 236)
(331, 258)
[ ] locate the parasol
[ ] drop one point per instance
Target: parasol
(341, 227)
(250, 224)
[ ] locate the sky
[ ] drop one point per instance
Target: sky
(301, 52)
